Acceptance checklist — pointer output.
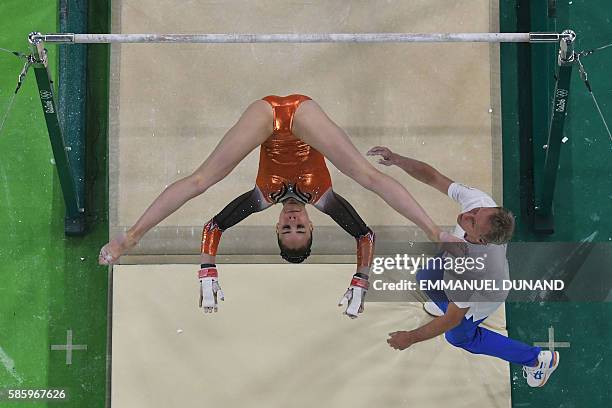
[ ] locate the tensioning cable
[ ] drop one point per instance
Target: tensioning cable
(585, 79)
(20, 80)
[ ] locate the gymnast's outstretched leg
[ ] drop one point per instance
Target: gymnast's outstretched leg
(251, 130)
(314, 127)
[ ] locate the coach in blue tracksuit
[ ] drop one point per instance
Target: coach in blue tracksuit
(486, 228)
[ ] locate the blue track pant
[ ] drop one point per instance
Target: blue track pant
(469, 336)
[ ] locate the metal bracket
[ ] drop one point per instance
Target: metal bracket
(566, 48)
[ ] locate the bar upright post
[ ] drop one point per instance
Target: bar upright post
(75, 213)
(544, 215)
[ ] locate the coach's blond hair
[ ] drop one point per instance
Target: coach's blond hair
(502, 227)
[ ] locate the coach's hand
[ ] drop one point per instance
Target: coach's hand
(210, 291)
(400, 340)
(355, 295)
(387, 156)
(452, 244)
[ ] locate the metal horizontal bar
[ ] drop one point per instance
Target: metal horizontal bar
(68, 38)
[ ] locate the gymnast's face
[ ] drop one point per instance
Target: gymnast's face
(476, 223)
(294, 227)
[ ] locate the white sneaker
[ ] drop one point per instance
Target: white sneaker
(432, 309)
(538, 375)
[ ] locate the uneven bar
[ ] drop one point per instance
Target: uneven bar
(69, 38)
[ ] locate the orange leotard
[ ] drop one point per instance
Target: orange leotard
(287, 165)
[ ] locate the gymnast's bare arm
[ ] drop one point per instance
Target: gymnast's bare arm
(417, 169)
(251, 130)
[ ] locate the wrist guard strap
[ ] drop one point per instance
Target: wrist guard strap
(208, 273)
(360, 282)
(202, 266)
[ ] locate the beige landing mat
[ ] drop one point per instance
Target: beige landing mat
(280, 341)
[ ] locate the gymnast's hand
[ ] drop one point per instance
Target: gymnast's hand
(355, 295)
(210, 291)
(110, 253)
(387, 156)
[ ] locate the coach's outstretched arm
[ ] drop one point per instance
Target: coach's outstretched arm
(421, 171)
(401, 340)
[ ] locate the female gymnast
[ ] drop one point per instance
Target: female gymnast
(294, 135)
